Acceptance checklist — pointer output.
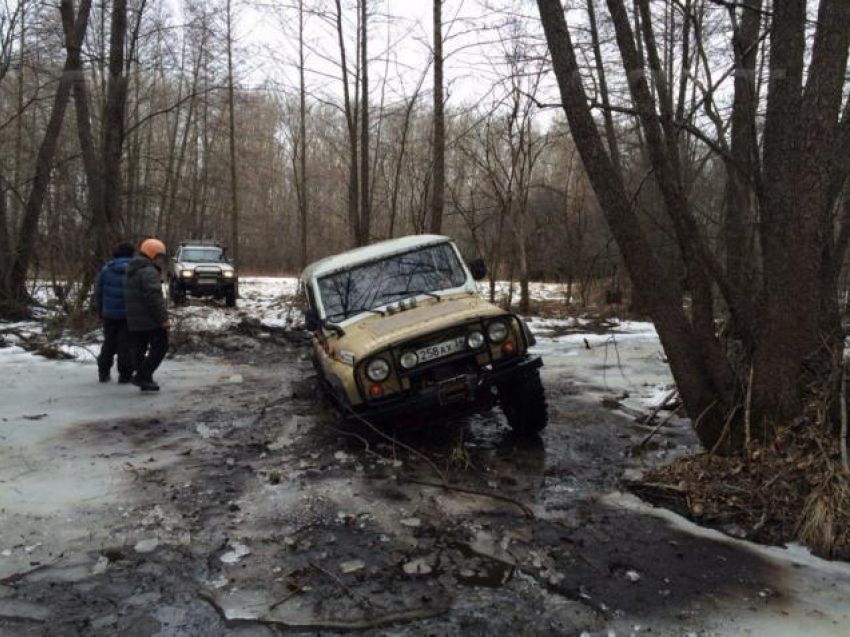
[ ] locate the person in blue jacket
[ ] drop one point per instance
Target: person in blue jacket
(110, 306)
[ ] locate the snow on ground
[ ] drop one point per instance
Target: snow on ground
(819, 589)
(538, 291)
(270, 300)
(624, 357)
(626, 360)
(48, 487)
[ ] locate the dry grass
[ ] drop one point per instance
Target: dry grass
(794, 489)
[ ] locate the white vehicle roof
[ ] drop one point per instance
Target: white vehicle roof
(369, 253)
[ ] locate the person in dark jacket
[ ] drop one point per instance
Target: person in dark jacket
(147, 317)
(109, 303)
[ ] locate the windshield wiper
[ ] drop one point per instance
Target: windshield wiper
(345, 315)
(415, 293)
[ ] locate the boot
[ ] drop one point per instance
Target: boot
(144, 384)
(103, 377)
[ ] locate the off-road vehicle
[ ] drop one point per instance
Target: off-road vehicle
(202, 269)
(400, 334)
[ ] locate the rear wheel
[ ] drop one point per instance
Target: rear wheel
(524, 404)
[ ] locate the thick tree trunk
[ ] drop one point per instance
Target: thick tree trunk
(706, 402)
(801, 128)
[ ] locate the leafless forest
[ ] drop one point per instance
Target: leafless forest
(684, 159)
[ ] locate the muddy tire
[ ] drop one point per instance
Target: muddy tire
(524, 405)
(230, 297)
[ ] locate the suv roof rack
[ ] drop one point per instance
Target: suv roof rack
(202, 242)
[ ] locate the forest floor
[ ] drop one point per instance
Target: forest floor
(235, 503)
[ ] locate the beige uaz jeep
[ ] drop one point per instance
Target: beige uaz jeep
(401, 335)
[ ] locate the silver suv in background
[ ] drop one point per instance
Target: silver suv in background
(202, 269)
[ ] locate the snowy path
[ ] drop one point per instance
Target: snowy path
(55, 480)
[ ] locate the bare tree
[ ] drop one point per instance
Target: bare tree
(803, 124)
(15, 285)
(365, 202)
(439, 182)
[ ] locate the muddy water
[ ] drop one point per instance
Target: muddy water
(253, 511)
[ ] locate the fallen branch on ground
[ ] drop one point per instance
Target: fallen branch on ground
(488, 494)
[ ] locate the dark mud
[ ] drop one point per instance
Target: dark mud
(259, 513)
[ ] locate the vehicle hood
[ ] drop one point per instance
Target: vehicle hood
(378, 332)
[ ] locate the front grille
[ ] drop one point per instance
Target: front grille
(442, 372)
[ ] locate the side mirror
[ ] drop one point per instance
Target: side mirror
(311, 320)
(478, 269)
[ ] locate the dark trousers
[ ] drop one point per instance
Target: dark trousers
(116, 340)
(149, 348)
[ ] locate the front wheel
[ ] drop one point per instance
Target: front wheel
(230, 297)
(524, 404)
(178, 295)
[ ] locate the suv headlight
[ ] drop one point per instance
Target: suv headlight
(497, 331)
(409, 360)
(229, 274)
(475, 340)
(378, 370)
(187, 274)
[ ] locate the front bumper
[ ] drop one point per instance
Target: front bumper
(205, 286)
(447, 400)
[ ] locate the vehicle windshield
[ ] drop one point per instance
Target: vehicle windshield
(202, 255)
(392, 279)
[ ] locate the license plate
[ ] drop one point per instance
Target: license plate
(440, 350)
(207, 282)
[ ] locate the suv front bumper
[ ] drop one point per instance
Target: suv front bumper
(471, 393)
(205, 285)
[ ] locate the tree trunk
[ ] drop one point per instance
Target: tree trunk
(303, 195)
(704, 401)
(741, 175)
(351, 125)
(801, 128)
(234, 185)
(439, 150)
(365, 203)
(607, 115)
(113, 121)
(15, 293)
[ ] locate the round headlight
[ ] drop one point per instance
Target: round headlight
(409, 360)
(497, 331)
(378, 370)
(187, 274)
(475, 340)
(229, 274)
